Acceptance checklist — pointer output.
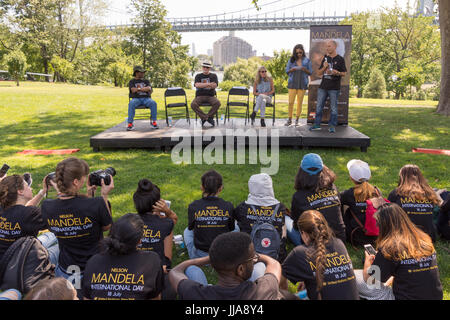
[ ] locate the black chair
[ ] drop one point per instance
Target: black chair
(140, 107)
(205, 104)
(234, 93)
(176, 92)
(268, 105)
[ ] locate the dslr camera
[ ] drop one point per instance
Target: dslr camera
(50, 177)
(95, 178)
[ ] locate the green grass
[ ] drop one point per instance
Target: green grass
(60, 116)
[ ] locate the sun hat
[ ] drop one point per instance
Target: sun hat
(206, 64)
(138, 69)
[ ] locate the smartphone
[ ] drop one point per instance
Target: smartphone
(4, 170)
(370, 249)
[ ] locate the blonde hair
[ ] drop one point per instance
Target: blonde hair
(364, 191)
(413, 184)
(258, 75)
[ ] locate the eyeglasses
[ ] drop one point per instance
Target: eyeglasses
(299, 52)
(254, 259)
(263, 71)
(206, 67)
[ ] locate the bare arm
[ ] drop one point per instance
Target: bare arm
(39, 196)
(168, 246)
(272, 266)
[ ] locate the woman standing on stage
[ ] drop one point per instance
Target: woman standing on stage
(298, 68)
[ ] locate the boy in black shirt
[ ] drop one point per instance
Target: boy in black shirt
(206, 83)
(140, 93)
(332, 68)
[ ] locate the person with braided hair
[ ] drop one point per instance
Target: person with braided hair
(20, 219)
(78, 221)
(322, 263)
(120, 270)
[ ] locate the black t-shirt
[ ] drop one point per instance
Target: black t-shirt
(206, 78)
(19, 221)
(209, 217)
(264, 288)
(326, 202)
(413, 280)
(443, 221)
(156, 229)
(136, 276)
(139, 83)
(420, 212)
(332, 82)
(246, 216)
(339, 278)
(77, 223)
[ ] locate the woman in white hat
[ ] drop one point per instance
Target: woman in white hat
(354, 202)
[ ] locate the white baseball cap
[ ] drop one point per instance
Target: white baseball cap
(359, 170)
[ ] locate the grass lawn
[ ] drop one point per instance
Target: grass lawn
(60, 116)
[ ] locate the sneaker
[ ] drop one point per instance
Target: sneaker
(203, 123)
(263, 124)
(155, 125)
(314, 128)
(331, 130)
(211, 120)
(130, 127)
(296, 122)
(253, 116)
(288, 123)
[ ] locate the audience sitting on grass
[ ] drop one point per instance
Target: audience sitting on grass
(159, 221)
(414, 195)
(120, 271)
(261, 206)
(354, 203)
(92, 216)
(233, 256)
(314, 262)
(140, 245)
(208, 217)
(315, 191)
(405, 259)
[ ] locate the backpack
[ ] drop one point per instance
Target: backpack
(265, 236)
(25, 263)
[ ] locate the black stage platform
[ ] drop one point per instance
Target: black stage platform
(234, 130)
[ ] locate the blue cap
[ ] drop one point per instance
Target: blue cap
(312, 160)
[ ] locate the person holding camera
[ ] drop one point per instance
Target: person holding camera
(18, 218)
(78, 221)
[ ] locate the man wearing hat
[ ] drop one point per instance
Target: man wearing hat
(206, 83)
(140, 92)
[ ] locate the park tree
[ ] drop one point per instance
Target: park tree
(243, 70)
(159, 46)
(120, 73)
(444, 21)
(277, 69)
(63, 68)
(376, 85)
(17, 64)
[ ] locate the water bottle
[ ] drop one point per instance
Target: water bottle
(179, 243)
(302, 295)
(170, 121)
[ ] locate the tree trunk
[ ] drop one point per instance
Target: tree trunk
(444, 21)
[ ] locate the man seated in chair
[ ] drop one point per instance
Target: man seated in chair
(140, 92)
(206, 83)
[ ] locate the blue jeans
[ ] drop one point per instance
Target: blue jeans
(193, 252)
(136, 102)
(196, 274)
(50, 242)
(322, 96)
(293, 234)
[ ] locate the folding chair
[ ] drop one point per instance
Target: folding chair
(205, 104)
(268, 105)
(242, 92)
(176, 92)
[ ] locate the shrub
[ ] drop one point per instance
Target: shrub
(228, 84)
(376, 85)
